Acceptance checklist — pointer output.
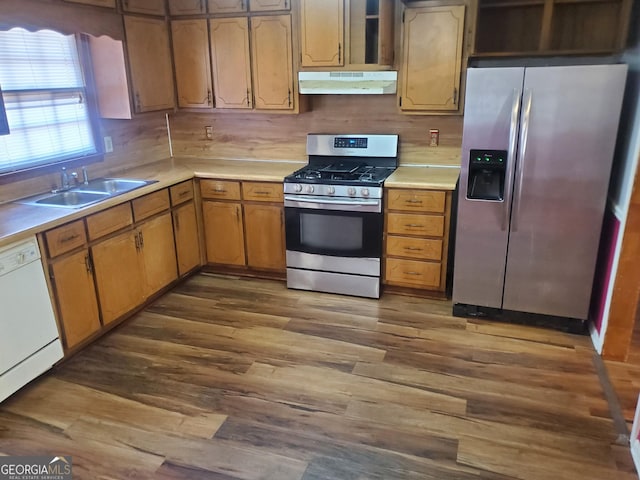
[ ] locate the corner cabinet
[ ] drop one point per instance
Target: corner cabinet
(149, 63)
(432, 48)
(259, 77)
(417, 239)
(190, 39)
(322, 33)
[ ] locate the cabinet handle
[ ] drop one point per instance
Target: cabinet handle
(248, 99)
(286, 6)
(413, 273)
(183, 194)
(69, 238)
(289, 97)
(413, 201)
(202, 6)
(141, 239)
(88, 263)
(455, 96)
(176, 220)
(138, 105)
(220, 190)
(413, 249)
(126, 3)
(242, 5)
(209, 97)
(262, 192)
(414, 225)
(238, 213)
(137, 241)
(339, 53)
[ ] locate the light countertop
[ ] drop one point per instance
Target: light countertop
(18, 221)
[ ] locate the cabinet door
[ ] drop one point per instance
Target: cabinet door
(148, 7)
(158, 253)
(118, 275)
(150, 63)
(227, 6)
(75, 295)
(432, 57)
(223, 232)
(322, 30)
(272, 62)
(185, 228)
(191, 58)
(265, 236)
(269, 5)
(230, 62)
(187, 7)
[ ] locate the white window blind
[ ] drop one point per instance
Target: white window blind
(44, 95)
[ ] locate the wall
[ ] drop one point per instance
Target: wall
(251, 135)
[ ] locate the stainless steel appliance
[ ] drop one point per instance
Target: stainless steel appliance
(29, 340)
(537, 150)
(333, 214)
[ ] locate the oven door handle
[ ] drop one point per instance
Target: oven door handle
(307, 202)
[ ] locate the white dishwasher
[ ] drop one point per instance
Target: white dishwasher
(29, 339)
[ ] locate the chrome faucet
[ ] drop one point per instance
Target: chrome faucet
(85, 176)
(64, 179)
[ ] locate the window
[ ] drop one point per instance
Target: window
(45, 96)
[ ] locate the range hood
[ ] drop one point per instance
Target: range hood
(348, 83)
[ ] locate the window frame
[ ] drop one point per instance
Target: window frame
(91, 99)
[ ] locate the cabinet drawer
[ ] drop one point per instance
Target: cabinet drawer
(220, 189)
(181, 192)
(412, 273)
(151, 204)
(416, 200)
(109, 221)
(263, 192)
(411, 224)
(65, 238)
(419, 248)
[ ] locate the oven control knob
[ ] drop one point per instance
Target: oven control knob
(309, 188)
(297, 187)
(331, 190)
(365, 192)
(351, 191)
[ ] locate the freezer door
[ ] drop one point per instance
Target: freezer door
(490, 123)
(569, 123)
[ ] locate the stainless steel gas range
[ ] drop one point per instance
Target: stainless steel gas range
(333, 214)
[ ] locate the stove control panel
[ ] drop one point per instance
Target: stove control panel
(320, 190)
(350, 142)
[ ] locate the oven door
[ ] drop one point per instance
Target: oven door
(337, 227)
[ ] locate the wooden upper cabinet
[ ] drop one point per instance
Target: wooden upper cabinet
(432, 58)
(227, 6)
(231, 62)
(272, 62)
(269, 5)
(322, 33)
(187, 7)
(191, 57)
(148, 7)
(149, 63)
(97, 3)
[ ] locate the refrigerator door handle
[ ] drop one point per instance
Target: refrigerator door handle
(513, 142)
(522, 152)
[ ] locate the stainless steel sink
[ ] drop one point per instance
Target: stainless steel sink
(112, 186)
(86, 194)
(74, 199)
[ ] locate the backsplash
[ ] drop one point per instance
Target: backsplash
(258, 136)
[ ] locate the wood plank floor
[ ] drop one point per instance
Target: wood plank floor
(230, 378)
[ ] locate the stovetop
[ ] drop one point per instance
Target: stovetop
(341, 173)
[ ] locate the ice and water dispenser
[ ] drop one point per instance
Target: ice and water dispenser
(486, 174)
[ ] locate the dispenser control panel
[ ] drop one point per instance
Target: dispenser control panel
(493, 158)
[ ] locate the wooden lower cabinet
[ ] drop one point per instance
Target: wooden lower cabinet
(158, 253)
(185, 230)
(416, 239)
(75, 295)
(224, 232)
(264, 236)
(118, 275)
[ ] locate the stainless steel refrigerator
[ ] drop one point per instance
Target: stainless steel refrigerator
(537, 150)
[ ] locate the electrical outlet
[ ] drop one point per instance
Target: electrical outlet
(208, 131)
(434, 137)
(108, 145)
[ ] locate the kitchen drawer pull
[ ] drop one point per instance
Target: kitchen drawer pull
(69, 238)
(412, 200)
(414, 225)
(220, 190)
(413, 249)
(412, 273)
(183, 194)
(262, 192)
